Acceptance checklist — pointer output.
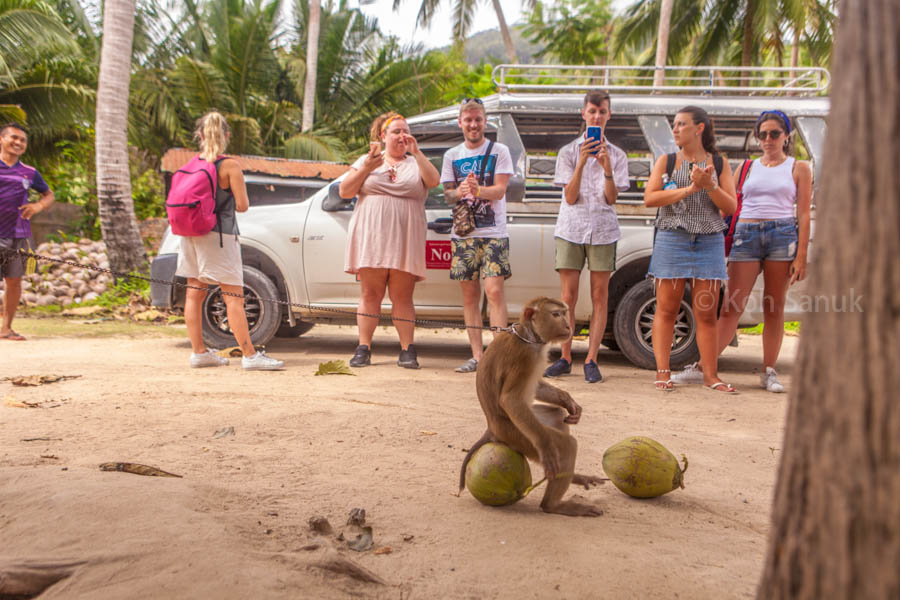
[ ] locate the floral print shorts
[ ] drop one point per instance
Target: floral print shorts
(475, 258)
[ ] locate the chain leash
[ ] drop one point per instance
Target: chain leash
(7, 254)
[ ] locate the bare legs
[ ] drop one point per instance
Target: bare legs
(569, 280)
(496, 297)
(373, 284)
(704, 301)
(10, 302)
(234, 306)
(741, 277)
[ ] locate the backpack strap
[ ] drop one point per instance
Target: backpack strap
(215, 193)
(670, 163)
(719, 163)
(745, 170)
(484, 159)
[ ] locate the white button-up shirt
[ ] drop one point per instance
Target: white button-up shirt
(590, 220)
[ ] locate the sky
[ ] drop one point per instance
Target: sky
(402, 23)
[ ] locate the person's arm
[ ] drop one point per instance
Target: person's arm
(235, 177)
(43, 203)
(615, 173)
(493, 192)
(654, 194)
(722, 193)
(350, 185)
(803, 179)
(572, 190)
(430, 176)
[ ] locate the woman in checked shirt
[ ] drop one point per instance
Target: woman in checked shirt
(689, 241)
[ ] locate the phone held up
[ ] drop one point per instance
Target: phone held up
(596, 133)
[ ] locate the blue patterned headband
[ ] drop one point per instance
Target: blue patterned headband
(781, 115)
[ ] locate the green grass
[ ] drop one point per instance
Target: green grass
(793, 326)
(61, 327)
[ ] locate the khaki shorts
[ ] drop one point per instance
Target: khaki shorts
(600, 257)
(201, 258)
(13, 266)
(474, 258)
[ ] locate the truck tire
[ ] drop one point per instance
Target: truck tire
(263, 318)
(299, 328)
(633, 323)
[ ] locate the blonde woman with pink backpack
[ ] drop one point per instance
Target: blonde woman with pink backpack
(203, 199)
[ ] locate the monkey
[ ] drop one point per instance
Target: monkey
(507, 381)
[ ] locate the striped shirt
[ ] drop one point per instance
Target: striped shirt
(695, 214)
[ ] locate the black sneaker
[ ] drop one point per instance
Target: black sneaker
(592, 372)
(362, 357)
(407, 358)
(560, 367)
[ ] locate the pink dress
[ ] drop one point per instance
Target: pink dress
(387, 229)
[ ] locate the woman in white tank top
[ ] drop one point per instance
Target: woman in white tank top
(768, 238)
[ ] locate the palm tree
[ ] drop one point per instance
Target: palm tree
(117, 219)
(463, 14)
(662, 41)
(732, 32)
(835, 521)
(312, 57)
(42, 75)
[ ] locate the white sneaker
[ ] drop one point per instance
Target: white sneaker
(261, 362)
(769, 380)
(690, 374)
(207, 359)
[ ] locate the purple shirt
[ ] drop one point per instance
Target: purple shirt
(15, 181)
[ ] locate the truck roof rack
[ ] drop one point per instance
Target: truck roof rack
(727, 80)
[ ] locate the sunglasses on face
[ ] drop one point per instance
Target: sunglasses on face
(475, 100)
(773, 134)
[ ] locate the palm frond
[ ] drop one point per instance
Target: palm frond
(314, 146)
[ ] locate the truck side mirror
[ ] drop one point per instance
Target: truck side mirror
(333, 201)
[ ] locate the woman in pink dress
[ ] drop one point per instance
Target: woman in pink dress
(386, 237)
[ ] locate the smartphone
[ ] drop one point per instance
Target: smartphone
(596, 133)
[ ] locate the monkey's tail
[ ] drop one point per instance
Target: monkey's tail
(487, 437)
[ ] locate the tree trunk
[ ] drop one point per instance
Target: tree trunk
(747, 44)
(836, 515)
(312, 62)
(662, 41)
(504, 31)
(117, 220)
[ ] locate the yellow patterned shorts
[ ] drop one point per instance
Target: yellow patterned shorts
(475, 258)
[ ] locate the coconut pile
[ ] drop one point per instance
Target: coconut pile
(60, 284)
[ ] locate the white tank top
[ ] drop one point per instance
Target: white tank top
(769, 192)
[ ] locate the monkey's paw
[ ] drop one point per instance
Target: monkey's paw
(588, 481)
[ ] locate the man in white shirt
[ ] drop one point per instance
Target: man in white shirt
(477, 171)
(592, 172)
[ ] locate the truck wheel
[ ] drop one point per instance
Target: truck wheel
(633, 324)
(263, 318)
(299, 328)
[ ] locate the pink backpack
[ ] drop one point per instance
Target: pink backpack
(191, 203)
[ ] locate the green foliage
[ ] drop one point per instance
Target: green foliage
(792, 326)
(123, 291)
(573, 32)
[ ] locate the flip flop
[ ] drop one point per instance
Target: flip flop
(726, 388)
(664, 385)
(12, 336)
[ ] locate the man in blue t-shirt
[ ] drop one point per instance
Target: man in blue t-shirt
(16, 179)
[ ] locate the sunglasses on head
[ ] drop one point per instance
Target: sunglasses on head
(773, 134)
(475, 100)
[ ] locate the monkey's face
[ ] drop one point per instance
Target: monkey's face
(551, 322)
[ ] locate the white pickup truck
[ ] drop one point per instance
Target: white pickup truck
(293, 250)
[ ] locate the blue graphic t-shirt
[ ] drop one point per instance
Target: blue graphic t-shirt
(15, 181)
(459, 161)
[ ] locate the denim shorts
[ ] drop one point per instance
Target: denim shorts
(683, 255)
(774, 240)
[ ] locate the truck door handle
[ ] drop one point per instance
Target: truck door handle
(442, 225)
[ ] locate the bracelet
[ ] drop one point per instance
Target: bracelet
(607, 176)
(713, 188)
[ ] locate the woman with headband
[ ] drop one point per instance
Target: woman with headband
(386, 237)
(768, 238)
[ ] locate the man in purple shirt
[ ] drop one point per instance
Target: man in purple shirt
(16, 179)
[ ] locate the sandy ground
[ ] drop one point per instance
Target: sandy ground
(389, 441)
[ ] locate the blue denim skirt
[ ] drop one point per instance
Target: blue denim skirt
(683, 255)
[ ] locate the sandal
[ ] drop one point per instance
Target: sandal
(726, 388)
(12, 336)
(664, 385)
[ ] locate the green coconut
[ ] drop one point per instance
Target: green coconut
(643, 468)
(497, 475)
